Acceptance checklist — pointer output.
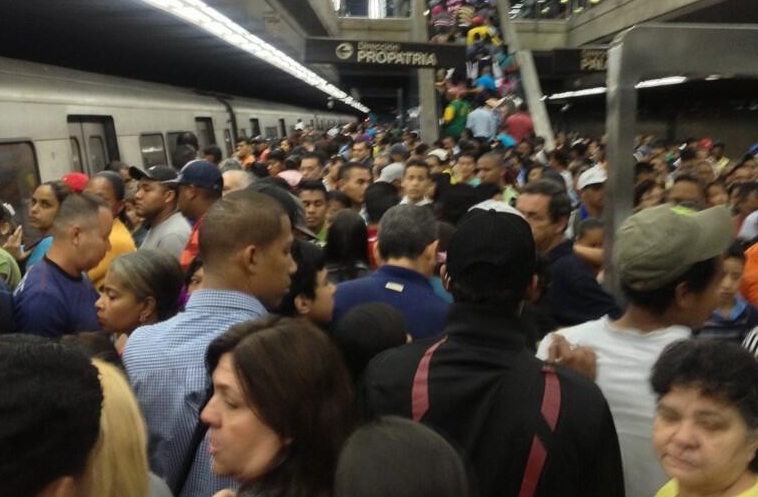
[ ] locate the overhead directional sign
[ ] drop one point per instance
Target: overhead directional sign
(383, 53)
(580, 60)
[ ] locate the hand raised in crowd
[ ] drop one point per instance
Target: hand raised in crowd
(580, 359)
(13, 244)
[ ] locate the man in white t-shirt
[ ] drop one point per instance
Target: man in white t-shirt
(669, 262)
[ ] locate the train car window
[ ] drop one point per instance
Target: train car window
(228, 142)
(255, 127)
(76, 153)
(19, 176)
(205, 136)
(153, 149)
(282, 128)
(96, 136)
(98, 157)
(271, 132)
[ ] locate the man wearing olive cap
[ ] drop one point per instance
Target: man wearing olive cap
(668, 259)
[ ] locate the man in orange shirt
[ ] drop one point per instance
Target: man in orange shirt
(200, 184)
(244, 153)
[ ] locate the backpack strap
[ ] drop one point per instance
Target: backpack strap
(551, 407)
(420, 388)
(189, 457)
(550, 410)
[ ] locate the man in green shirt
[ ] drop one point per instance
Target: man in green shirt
(456, 112)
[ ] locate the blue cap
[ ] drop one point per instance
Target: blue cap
(200, 173)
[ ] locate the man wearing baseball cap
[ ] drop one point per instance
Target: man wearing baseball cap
(591, 188)
(155, 201)
(668, 259)
(526, 429)
(199, 185)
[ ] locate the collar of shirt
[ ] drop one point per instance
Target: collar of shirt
(390, 271)
(424, 201)
(566, 247)
(201, 300)
(739, 307)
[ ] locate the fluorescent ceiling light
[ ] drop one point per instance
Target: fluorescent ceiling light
(713, 77)
(577, 93)
(200, 14)
(651, 83)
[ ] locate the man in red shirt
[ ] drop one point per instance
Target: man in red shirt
(200, 184)
(520, 124)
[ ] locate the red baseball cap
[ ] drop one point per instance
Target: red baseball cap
(76, 181)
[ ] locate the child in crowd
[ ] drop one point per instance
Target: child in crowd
(337, 201)
(311, 294)
(734, 317)
(589, 243)
(415, 183)
(535, 173)
(716, 194)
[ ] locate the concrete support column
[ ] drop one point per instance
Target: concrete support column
(529, 79)
(428, 124)
(401, 106)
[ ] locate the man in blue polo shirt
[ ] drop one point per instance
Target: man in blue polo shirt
(408, 248)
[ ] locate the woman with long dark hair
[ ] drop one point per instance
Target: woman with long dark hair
(347, 247)
(281, 408)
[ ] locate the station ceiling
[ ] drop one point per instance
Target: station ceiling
(131, 39)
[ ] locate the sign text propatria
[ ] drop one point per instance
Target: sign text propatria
(383, 53)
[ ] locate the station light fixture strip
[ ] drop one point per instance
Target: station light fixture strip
(597, 90)
(214, 22)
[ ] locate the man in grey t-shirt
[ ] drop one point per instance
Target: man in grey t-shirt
(156, 202)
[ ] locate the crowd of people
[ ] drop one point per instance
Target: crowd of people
(358, 313)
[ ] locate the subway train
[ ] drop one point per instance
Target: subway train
(55, 120)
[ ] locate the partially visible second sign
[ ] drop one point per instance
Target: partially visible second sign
(579, 60)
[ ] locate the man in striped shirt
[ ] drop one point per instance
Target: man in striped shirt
(245, 274)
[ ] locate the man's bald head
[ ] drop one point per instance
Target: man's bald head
(236, 179)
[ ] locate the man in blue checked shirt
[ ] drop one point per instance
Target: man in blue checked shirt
(245, 244)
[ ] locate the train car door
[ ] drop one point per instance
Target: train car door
(204, 130)
(93, 142)
(228, 142)
(255, 127)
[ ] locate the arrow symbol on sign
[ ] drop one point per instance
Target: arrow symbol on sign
(344, 50)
